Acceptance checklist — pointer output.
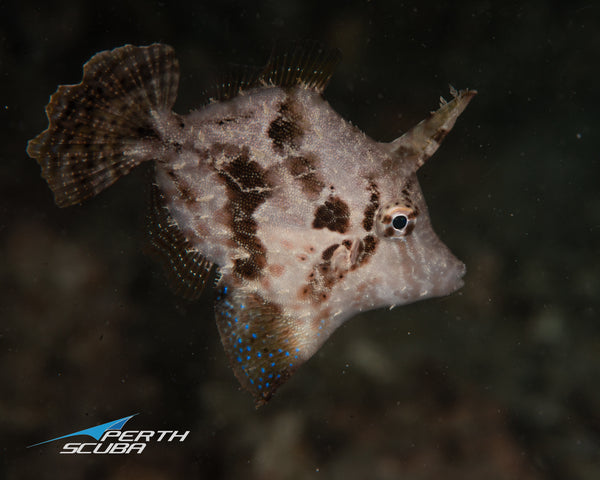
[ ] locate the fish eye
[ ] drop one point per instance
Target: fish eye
(396, 221)
(399, 221)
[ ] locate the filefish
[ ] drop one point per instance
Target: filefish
(299, 219)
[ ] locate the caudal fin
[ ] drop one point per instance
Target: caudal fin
(103, 127)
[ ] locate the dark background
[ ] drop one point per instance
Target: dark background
(498, 381)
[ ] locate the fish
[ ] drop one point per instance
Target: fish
(297, 218)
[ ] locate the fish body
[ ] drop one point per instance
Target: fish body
(307, 220)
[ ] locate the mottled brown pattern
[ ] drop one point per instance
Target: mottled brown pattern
(328, 252)
(247, 188)
(371, 207)
(286, 131)
(219, 168)
(184, 190)
(334, 215)
(324, 276)
(303, 169)
(407, 198)
(276, 269)
(409, 228)
(368, 246)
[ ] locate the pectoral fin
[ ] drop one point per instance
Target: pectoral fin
(187, 270)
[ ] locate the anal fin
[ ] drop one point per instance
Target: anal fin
(188, 271)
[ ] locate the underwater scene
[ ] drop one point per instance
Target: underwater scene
(298, 239)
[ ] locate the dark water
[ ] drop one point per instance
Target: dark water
(499, 381)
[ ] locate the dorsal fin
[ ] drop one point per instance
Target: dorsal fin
(305, 64)
(187, 270)
(417, 145)
(236, 79)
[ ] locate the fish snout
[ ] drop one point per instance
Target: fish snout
(449, 276)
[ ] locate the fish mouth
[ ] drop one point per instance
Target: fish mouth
(454, 277)
(462, 271)
(450, 278)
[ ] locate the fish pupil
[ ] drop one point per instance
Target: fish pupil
(399, 222)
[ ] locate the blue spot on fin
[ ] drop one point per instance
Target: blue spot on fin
(270, 339)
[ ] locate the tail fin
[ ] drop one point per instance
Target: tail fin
(98, 129)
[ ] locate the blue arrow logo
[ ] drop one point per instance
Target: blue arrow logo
(94, 432)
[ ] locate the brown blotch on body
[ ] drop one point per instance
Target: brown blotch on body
(371, 207)
(406, 197)
(323, 267)
(323, 277)
(409, 228)
(246, 267)
(185, 192)
(328, 252)
(303, 169)
(247, 188)
(203, 155)
(276, 269)
(200, 228)
(183, 189)
(285, 131)
(228, 150)
(370, 243)
(334, 215)
(367, 247)
(369, 214)
(305, 292)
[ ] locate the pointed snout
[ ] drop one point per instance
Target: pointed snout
(447, 276)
